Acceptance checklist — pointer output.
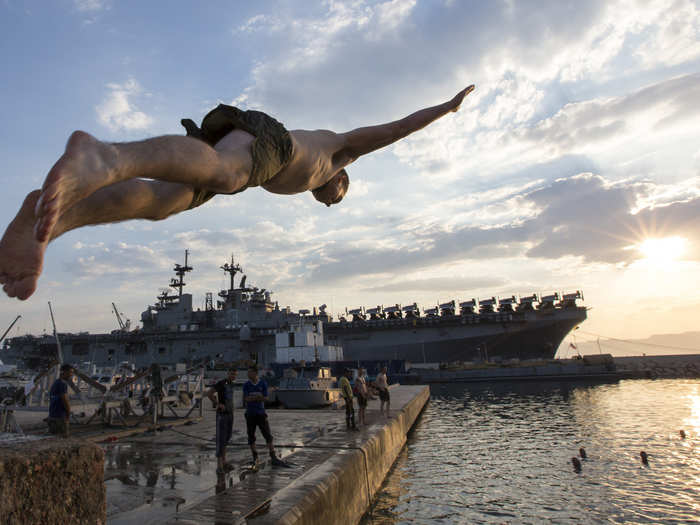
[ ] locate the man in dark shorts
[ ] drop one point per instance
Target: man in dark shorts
(382, 385)
(221, 395)
(254, 395)
(97, 182)
(59, 406)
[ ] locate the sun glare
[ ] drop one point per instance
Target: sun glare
(665, 250)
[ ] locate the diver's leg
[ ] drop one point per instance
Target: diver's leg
(89, 164)
(22, 256)
(132, 199)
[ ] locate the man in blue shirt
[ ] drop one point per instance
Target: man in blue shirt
(254, 396)
(59, 406)
(221, 395)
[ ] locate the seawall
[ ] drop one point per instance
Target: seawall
(660, 366)
(341, 489)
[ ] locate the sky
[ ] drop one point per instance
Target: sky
(574, 165)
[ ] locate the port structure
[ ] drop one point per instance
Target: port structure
(112, 404)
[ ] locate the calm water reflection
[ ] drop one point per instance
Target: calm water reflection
(501, 453)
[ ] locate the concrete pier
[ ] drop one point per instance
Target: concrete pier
(169, 476)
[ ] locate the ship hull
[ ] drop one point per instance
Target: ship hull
(246, 325)
(535, 335)
(487, 337)
(296, 398)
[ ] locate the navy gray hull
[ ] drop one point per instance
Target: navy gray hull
(243, 323)
(528, 336)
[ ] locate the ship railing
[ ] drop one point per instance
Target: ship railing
(136, 396)
(432, 317)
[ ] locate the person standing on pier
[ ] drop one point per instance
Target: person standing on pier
(59, 406)
(382, 386)
(221, 395)
(255, 395)
(346, 392)
(362, 395)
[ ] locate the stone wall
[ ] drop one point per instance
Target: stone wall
(52, 481)
(661, 366)
(340, 490)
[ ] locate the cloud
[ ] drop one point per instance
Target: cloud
(360, 187)
(628, 125)
(584, 216)
(550, 232)
(385, 56)
(438, 284)
(572, 228)
(114, 261)
(648, 110)
(551, 163)
(672, 37)
(118, 112)
(90, 5)
(538, 71)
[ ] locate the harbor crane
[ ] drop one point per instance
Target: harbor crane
(123, 326)
(9, 328)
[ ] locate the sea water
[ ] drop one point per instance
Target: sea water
(502, 453)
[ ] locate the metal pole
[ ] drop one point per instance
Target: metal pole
(55, 334)
(201, 393)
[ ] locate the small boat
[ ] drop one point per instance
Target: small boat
(308, 387)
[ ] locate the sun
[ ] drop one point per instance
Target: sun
(662, 251)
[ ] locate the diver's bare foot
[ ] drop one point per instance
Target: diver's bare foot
(86, 166)
(21, 256)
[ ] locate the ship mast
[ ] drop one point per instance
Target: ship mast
(180, 271)
(231, 269)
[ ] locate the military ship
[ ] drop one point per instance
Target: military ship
(244, 323)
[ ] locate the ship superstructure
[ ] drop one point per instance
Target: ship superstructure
(244, 322)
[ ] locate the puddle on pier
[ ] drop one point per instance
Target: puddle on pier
(151, 481)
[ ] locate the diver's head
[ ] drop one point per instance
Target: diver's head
(333, 191)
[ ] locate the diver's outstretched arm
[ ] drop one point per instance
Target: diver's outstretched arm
(361, 141)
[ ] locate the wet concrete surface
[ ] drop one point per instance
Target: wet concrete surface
(169, 476)
(156, 475)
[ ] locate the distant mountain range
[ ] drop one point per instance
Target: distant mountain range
(658, 344)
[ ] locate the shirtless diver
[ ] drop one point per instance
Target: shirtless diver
(97, 182)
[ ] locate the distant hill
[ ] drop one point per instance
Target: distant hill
(658, 344)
